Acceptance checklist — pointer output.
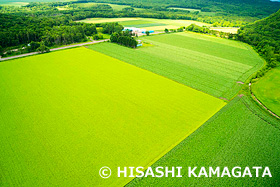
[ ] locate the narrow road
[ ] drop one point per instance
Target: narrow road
(54, 49)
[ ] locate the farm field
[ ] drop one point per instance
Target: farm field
(192, 10)
(232, 137)
(115, 7)
(186, 9)
(232, 30)
(18, 2)
(66, 114)
(267, 90)
(147, 23)
(5, 3)
(209, 64)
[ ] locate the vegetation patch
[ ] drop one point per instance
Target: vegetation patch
(66, 114)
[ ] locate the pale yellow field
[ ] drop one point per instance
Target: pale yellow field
(62, 8)
(232, 30)
(106, 20)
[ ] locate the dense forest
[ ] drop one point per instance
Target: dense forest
(17, 30)
(264, 36)
(42, 23)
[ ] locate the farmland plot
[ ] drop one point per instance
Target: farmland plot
(238, 135)
(209, 64)
(66, 114)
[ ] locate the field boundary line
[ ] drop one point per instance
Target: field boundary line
(260, 103)
(259, 116)
(161, 155)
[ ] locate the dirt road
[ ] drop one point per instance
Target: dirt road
(54, 49)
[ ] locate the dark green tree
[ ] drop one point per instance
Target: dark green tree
(43, 48)
(1, 50)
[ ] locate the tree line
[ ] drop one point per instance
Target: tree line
(264, 35)
(16, 30)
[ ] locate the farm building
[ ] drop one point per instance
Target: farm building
(148, 31)
(134, 30)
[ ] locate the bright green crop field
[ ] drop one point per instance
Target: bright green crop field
(212, 65)
(267, 90)
(235, 136)
(66, 114)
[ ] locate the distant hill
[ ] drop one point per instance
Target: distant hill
(264, 35)
(254, 8)
(265, 29)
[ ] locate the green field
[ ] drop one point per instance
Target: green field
(192, 10)
(13, 3)
(120, 7)
(235, 136)
(66, 114)
(267, 90)
(147, 23)
(114, 6)
(209, 64)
